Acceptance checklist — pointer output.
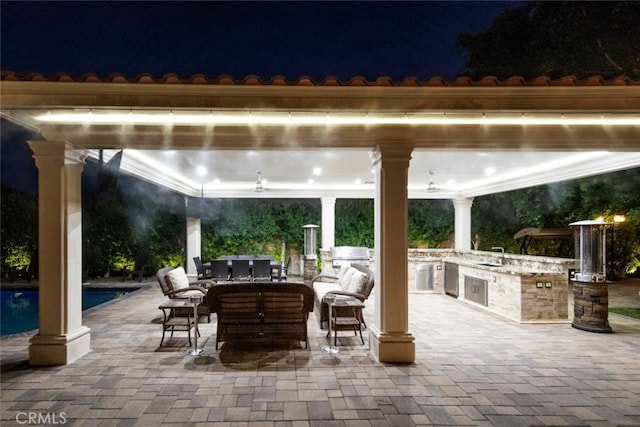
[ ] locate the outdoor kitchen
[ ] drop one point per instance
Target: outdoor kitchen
(523, 288)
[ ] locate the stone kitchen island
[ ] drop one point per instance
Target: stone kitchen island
(515, 292)
(523, 288)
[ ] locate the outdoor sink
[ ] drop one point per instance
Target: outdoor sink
(490, 264)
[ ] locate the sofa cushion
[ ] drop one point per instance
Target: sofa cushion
(357, 283)
(321, 288)
(178, 278)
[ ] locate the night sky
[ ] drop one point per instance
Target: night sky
(293, 39)
(317, 39)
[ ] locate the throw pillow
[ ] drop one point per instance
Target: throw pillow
(343, 269)
(357, 283)
(346, 278)
(178, 278)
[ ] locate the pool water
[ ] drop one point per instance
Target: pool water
(19, 307)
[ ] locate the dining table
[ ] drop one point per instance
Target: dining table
(274, 265)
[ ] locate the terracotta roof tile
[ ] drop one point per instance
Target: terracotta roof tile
(462, 81)
(568, 81)
(384, 81)
(436, 81)
(225, 80)
(331, 81)
(252, 80)
(305, 81)
(172, 79)
(489, 81)
(515, 81)
(594, 81)
(279, 80)
(541, 81)
(409, 81)
(91, 78)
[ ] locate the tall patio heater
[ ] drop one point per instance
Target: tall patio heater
(310, 252)
(590, 286)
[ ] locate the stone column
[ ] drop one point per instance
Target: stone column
(591, 306)
(194, 244)
(389, 338)
(310, 269)
(328, 222)
(62, 338)
(462, 206)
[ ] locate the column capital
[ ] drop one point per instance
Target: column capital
(325, 199)
(463, 201)
(66, 150)
(390, 150)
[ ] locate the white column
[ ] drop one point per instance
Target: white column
(462, 206)
(328, 222)
(194, 244)
(62, 338)
(389, 337)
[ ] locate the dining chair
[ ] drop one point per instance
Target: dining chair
(219, 270)
(203, 272)
(261, 270)
(283, 271)
(240, 269)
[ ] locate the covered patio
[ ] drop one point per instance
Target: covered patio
(561, 129)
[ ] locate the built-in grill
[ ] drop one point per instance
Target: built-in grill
(344, 255)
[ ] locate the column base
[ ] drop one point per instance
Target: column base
(59, 349)
(392, 348)
(310, 269)
(591, 306)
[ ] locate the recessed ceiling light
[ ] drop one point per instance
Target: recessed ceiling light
(358, 181)
(216, 181)
(489, 171)
(317, 171)
(310, 181)
(201, 171)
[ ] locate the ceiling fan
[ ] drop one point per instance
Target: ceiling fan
(432, 184)
(433, 187)
(259, 187)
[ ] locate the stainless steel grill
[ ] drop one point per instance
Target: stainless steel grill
(341, 255)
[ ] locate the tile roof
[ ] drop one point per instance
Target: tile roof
(279, 80)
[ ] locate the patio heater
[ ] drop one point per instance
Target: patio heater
(590, 286)
(310, 252)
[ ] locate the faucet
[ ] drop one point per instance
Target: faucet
(501, 249)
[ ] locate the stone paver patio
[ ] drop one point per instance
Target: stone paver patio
(472, 368)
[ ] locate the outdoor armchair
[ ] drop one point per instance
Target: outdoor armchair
(175, 284)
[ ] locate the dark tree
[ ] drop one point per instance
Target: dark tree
(558, 38)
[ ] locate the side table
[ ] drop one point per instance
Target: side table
(173, 323)
(345, 315)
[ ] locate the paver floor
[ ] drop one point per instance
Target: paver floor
(472, 368)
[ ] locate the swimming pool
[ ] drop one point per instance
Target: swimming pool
(19, 307)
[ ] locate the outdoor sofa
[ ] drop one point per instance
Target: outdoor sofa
(355, 280)
(261, 310)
